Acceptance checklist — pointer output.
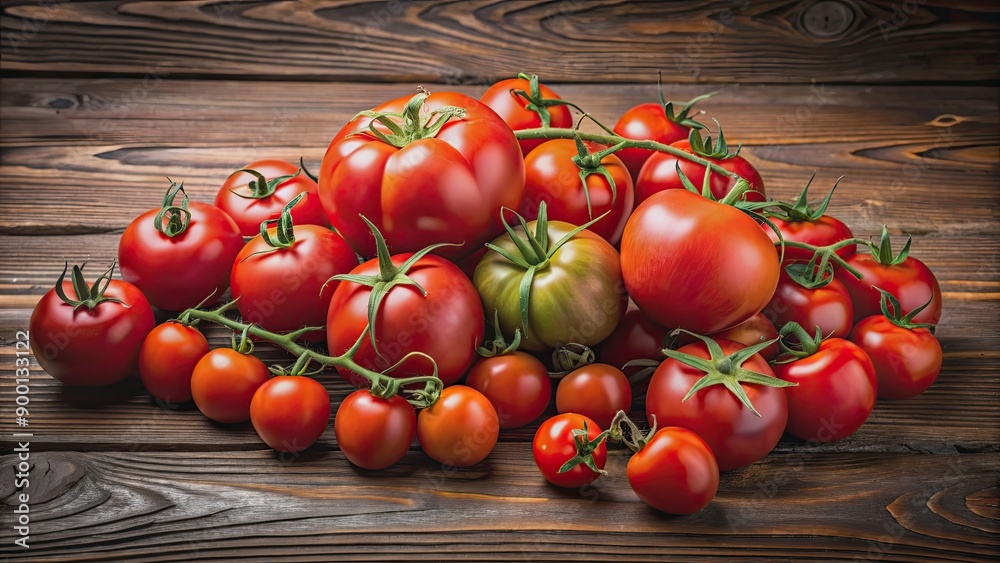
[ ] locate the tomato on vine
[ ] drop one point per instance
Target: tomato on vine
(570, 450)
(525, 103)
(374, 432)
(799, 222)
(460, 429)
(167, 360)
(225, 380)
(260, 190)
(290, 412)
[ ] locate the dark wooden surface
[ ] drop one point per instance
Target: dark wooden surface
(104, 99)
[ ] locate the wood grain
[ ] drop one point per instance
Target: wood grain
(480, 41)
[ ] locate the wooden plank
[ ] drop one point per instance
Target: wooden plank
(773, 41)
(253, 506)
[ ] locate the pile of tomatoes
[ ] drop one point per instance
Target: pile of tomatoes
(472, 259)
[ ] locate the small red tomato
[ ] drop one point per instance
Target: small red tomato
(516, 383)
(653, 122)
(674, 472)
(753, 331)
(224, 382)
(374, 433)
(597, 391)
(907, 359)
(258, 191)
(460, 429)
(290, 412)
(555, 444)
(828, 307)
(167, 360)
(799, 222)
(509, 98)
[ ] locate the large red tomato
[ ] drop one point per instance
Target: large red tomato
(258, 191)
(697, 264)
(524, 103)
(442, 178)
(654, 122)
(827, 306)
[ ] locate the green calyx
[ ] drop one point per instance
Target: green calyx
(706, 147)
(413, 123)
(726, 370)
(818, 272)
(591, 163)
(800, 210)
(534, 101)
(284, 233)
(88, 296)
(177, 216)
(681, 118)
(891, 309)
(261, 187)
(243, 345)
(882, 252)
(572, 357)
(499, 345)
(808, 343)
(585, 448)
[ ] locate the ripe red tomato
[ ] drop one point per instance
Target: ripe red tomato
(250, 202)
(737, 436)
(597, 391)
(828, 307)
(513, 107)
(167, 360)
(653, 122)
(180, 271)
(835, 392)
(516, 383)
(907, 361)
(754, 330)
(460, 429)
(800, 222)
(285, 289)
(694, 263)
(555, 444)
(674, 472)
(374, 433)
(636, 337)
(224, 382)
(90, 337)
(660, 173)
(552, 176)
(290, 412)
(447, 185)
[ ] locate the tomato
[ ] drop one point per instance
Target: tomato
(697, 264)
(736, 435)
(90, 335)
(835, 392)
(251, 199)
(754, 330)
(432, 184)
(512, 107)
(653, 122)
(800, 222)
(374, 433)
(167, 359)
(223, 384)
(575, 295)
(674, 472)
(636, 337)
(516, 383)
(907, 361)
(190, 267)
(290, 412)
(660, 173)
(552, 176)
(555, 444)
(460, 429)
(596, 391)
(828, 307)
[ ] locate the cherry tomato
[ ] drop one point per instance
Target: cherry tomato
(512, 108)
(249, 203)
(460, 429)
(674, 472)
(659, 173)
(907, 361)
(555, 444)
(516, 383)
(823, 231)
(828, 307)
(167, 360)
(636, 337)
(597, 391)
(753, 331)
(911, 281)
(224, 382)
(290, 412)
(374, 433)
(653, 122)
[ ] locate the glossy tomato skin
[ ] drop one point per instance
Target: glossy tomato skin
(736, 435)
(249, 213)
(828, 307)
(167, 359)
(374, 433)
(753, 331)
(597, 391)
(824, 231)
(224, 382)
(449, 188)
(512, 109)
(578, 297)
(285, 289)
(516, 383)
(552, 176)
(911, 282)
(646, 122)
(675, 472)
(460, 429)
(554, 445)
(636, 337)
(696, 264)
(177, 273)
(659, 173)
(90, 347)
(906, 361)
(447, 324)
(290, 412)
(835, 393)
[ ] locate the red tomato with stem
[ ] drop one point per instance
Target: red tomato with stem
(511, 97)
(799, 222)
(569, 450)
(674, 471)
(654, 122)
(92, 338)
(460, 429)
(290, 412)
(224, 382)
(260, 190)
(167, 359)
(180, 256)
(825, 306)
(373, 432)
(516, 383)
(596, 391)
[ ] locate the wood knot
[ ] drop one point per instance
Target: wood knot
(827, 18)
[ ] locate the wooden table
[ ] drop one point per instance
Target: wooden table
(100, 100)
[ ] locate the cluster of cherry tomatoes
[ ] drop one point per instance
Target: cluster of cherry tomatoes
(644, 260)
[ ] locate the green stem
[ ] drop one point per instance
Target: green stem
(830, 252)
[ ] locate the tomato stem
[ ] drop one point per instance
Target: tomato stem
(824, 254)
